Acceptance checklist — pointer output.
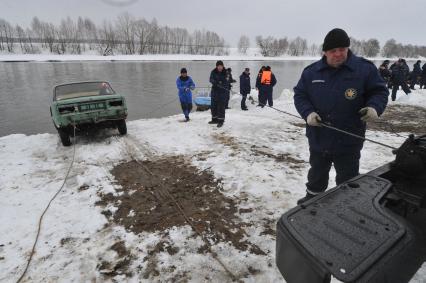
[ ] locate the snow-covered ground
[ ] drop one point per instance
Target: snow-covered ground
(74, 239)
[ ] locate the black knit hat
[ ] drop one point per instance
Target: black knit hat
(219, 63)
(336, 38)
(183, 71)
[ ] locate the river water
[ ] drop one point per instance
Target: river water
(26, 88)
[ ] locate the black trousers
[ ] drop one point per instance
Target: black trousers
(268, 98)
(218, 104)
(346, 166)
(262, 98)
(395, 87)
(228, 96)
(243, 101)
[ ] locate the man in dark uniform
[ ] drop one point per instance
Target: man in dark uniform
(245, 87)
(344, 91)
(416, 74)
(260, 96)
(385, 72)
(399, 78)
(423, 79)
(231, 81)
(220, 87)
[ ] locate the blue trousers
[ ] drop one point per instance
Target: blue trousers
(186, 108)
(345, 164)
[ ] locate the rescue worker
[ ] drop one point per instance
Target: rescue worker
(344, 91)
(185, 84)
(245, 87)
(267, 83)
(231, 81)
(423, 79)
(259, 88)
(220, 87)
(417, 72)
(398, 78)
(385, 72)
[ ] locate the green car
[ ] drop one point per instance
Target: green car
(87, 105)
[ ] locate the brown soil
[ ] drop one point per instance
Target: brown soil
(401, 118)
(144, 204)
(121, 265)
(287, 158)
(397, 119)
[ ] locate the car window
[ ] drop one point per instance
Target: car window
(82, 90)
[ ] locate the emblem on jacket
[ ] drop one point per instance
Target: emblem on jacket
(350, 93)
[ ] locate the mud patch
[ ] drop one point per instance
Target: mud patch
(397, 119)
(121, 265)
(401, 118)
(144, 204)
(227, 141)
(286, 158)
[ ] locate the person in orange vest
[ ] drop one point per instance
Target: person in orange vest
(258, 86)
(267, 82)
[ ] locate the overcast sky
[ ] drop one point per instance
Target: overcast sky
(404, 21)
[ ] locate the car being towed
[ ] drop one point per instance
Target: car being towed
(87, 105)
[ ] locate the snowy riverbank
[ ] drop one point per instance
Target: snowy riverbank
(253, 54)
(260, 156)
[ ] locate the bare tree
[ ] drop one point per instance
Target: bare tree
(371, 47)
(390, 48)
(6, 36)
(314, 50)
(265, 45)
(126, 30)
(243, 44)
(298, 46)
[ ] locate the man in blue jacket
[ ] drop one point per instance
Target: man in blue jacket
(245, 87)
(220, 81)
(344, 91)
(185, 84)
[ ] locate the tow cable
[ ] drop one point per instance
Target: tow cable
(321, 123)
(47, 207)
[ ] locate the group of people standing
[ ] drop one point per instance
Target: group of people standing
(222, 80)
(398, 74)
(341, 90)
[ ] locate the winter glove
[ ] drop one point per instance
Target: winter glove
(368, 114)
(314, 119)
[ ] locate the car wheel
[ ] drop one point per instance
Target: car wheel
(121, 126)
(65, 137)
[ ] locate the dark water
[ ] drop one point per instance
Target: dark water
(26, 88)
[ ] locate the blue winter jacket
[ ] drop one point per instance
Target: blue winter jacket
(185, 85)
(337, 95)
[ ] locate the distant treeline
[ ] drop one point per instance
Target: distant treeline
(271, 46)
(130, 35)
(126, 35)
